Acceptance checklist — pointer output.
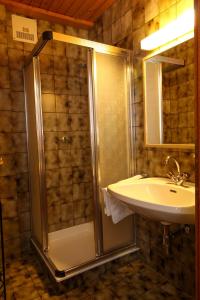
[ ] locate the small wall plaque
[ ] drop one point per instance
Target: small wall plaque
(24, 29)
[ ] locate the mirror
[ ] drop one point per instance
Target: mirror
(169, 97)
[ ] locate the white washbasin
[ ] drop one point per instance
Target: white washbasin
(157, 199)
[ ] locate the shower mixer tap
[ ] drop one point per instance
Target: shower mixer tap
(65, 140)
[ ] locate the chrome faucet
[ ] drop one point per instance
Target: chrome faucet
(177, 178)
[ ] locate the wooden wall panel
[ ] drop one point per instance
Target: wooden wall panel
(74, 12)
(37, 12)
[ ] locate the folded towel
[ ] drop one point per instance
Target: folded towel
(130, 180)
(115, 208)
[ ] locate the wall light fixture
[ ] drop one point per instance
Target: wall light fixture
(182, 27)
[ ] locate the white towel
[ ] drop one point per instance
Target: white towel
(115, 208)
(129, 180)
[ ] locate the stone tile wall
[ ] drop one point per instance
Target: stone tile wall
(14, 172)
(125, 24)
(179, 265)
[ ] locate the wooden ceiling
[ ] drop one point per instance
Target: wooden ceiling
(79, 13)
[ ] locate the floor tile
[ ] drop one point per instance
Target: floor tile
(27, 279)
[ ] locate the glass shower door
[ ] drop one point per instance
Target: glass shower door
(114, 145)
(67, 150)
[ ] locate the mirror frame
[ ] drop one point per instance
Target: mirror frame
(147, 145)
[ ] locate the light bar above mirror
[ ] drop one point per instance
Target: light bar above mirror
(182, 27)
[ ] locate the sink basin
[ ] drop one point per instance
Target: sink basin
(157, 199)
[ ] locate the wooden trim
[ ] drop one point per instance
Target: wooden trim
(37, 12)
(197, 122)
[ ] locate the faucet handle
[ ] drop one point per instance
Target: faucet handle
(166, 160)
(170, 174)
(185, 175)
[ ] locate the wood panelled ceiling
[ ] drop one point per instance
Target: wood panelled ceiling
(79, 13)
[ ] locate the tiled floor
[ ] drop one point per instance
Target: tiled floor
(27, 279)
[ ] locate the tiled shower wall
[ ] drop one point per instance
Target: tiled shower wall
(14, 172)
(67, 136)
(178, 95)
(125, 24)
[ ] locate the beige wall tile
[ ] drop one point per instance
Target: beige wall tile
(107, 19)
(46, 64)
(152, 26)
(116, 11)
(4, 78)
(2, 13)
(18, 101)
(16, 59)
(138, 14)
(49, 121)
(116, 31)
(5, 100)
(165, 4)
(48, 103)
(3, 55)
(168, 15)
(151, 9)
(126, 23)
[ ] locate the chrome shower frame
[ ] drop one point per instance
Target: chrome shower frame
(93, 48)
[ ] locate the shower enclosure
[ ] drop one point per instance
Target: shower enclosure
(78, 113)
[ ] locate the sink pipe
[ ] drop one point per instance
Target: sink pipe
(167, 235)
